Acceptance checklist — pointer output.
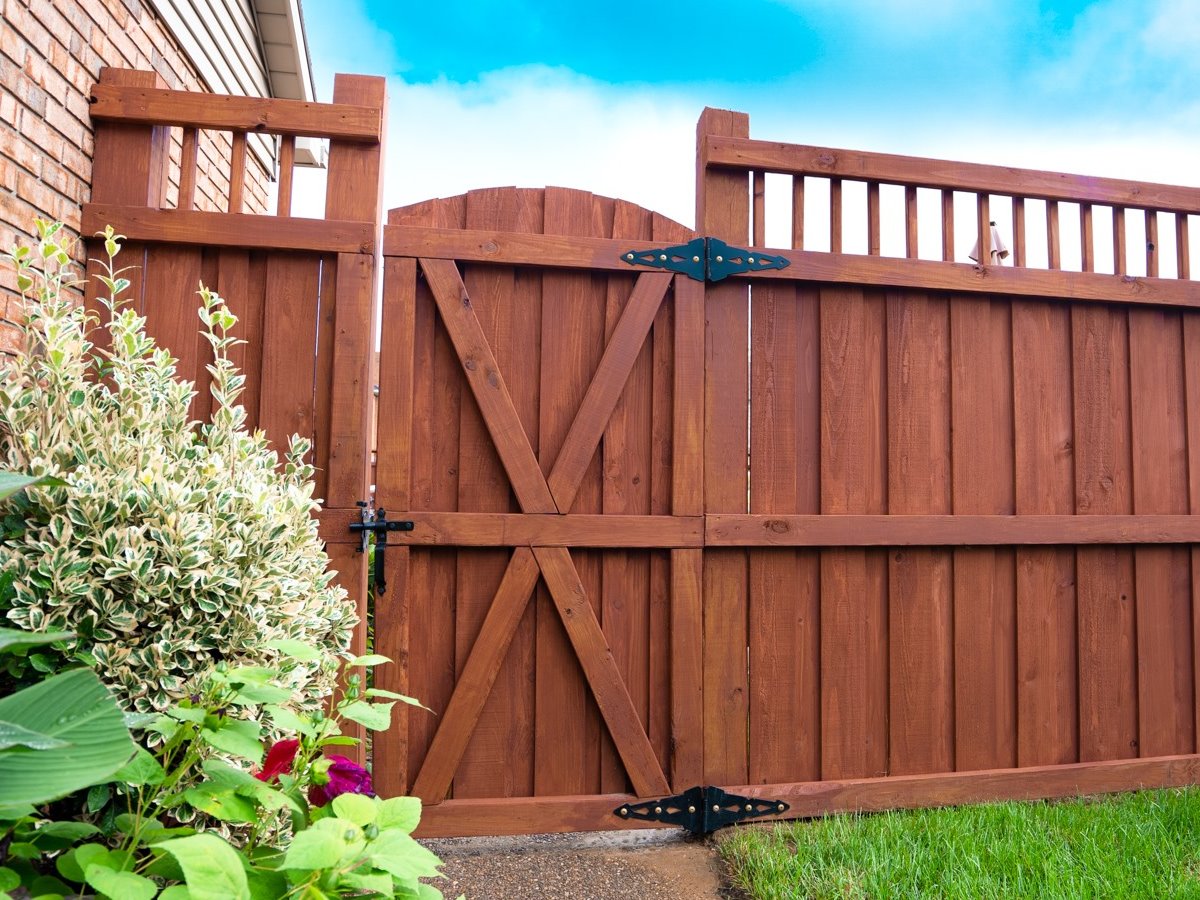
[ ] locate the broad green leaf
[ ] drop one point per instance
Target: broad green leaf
(73, 707)
(376, 716)
(120, 885)
(369, 659)
(221, 803)
(72, 864)
(9, 880)
(176, 892)
(297, 650)
(16, 639)
(372, 882)
(48, 886)
(403, 813)
(188, 714)
(241, 782)
(14, 735)
(98, 797)
(267, 885)
(11, 482)
(142, 769)
(315, 848)
(355, 807)
(213, 870)
(396, 852)
(237, 737)
(14, 811)
(289, 721)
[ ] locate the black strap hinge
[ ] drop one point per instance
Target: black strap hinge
(376, 522)
(702, 810)
(705, 259)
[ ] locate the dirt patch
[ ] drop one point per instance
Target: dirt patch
(582, 867)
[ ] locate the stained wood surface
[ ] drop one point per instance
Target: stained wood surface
(149, 106)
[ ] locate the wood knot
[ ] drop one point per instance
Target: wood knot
(777, 526)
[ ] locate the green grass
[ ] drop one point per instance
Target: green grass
(1128, 846)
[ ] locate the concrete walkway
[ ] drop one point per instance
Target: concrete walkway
(601, 866)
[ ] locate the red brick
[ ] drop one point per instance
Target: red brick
(18, 15)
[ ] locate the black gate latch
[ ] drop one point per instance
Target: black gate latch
(375, 521)
(702, 810)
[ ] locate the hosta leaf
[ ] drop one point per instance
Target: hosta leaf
(16, 639)
(73, 707)
(14, 735)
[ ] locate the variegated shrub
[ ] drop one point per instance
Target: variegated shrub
(173, 545)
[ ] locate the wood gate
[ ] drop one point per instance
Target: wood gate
(840, 530)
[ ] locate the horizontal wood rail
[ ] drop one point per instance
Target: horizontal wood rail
(507, 248)
(178, 226)
(799, 159)
(945, 531)
(296, 118)
(923, 274)
(467, 529)
(818, 798)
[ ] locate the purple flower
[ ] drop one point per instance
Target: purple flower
(342, 777)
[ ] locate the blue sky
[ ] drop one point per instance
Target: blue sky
(605, 97)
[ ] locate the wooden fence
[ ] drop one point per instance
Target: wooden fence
(859, 532)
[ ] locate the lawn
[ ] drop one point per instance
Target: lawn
(1128, 846)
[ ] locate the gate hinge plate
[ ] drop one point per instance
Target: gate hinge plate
(705, 259)
(702, 810)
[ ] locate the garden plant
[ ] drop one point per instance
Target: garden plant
(168, 723)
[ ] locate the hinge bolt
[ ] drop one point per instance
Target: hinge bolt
(663, 257)
(691, 809)
(749, 808)
(716, 808)
(629, 256)
(624, 810)
(720, 259)
(750, 260)
(658, 810)
(695, 259)
(781, 807)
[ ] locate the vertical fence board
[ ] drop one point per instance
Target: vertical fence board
(854, 627)
(985, 639)
(785, 459)
(921, 638)
(1160, 484)
(1107, 637)
(722, 211)
(290, 322)
(1047, 667)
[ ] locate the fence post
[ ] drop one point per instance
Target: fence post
(354, 192)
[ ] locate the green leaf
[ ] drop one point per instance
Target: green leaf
(176, 892)
(188, 714)
(15, 639)
(266, 885)
(392, 695)
(376, 716)
(12, 812)
(213, 870)
(14, 735)
(403, 813)
(397, 853)
(71, 865)
(74, 707)
(369, 882)
(221, 803)
(289, 721)
(315, 848)
(369, 659)
(120, 885)
(98, 796)
(356, 808)
(142, 769)
(236, 737)
(297, 650)
(11, 482)
(241, 782)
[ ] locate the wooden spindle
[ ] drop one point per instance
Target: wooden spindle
(1087, 247)
(1151, 243)
(760, 209)
(1018, 206)
(1119, 267)
(237, 172)
(948, 225)
(798, 212)
(835, 215)
(287, 162)
(1183, 251)
(187, 170)
(873, 226)
(910, 221)
(983, 215)
(1053, 246)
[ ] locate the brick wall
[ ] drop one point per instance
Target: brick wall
(51, 53)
